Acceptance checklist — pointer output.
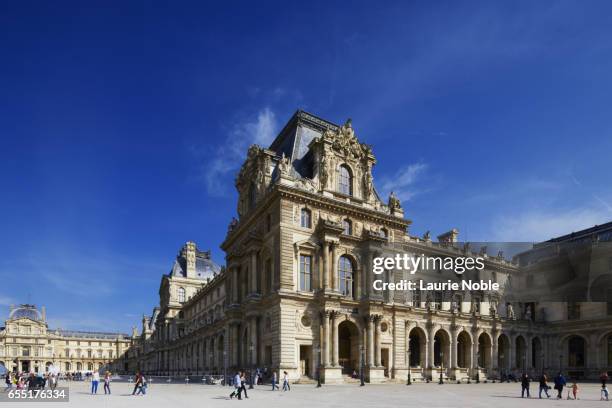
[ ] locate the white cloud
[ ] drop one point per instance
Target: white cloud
(259, 130)
(6, 301)
(403, 182)
(544, 225)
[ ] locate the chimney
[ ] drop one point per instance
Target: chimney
(189, 253)
(43, 313)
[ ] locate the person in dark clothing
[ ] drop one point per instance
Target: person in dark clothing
(525, 385)
(559, 384)
(137, 382)
(242, 384)
(544, 386)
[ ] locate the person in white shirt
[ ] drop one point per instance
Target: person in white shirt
(95, 379)
(237, 387)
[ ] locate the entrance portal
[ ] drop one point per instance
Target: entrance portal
(348, 347)
(305, 360)
(25, 366)
(384, 356)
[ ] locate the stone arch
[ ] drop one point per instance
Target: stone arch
(417, 346)
(441, 347)
(574, 352)
(464, 349)
(485, 347)
(503, 352)
(536, 359)
(520, 352)
(349, 342)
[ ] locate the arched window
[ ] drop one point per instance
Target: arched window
(345, 270)
(305, 221)
(345, 180)
(384, 233)
(181, 295)
(348, 227)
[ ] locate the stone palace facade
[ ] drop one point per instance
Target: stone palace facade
(296, 292)
(27, 344)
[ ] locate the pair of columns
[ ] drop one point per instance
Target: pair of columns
(329, 266)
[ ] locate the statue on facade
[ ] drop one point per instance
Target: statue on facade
(324, 171)
(232, 225)
(510, 311)
(394, 202)
(283, 165)
(427, 236)
(367, 184)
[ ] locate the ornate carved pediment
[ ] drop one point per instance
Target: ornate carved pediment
(345, 142)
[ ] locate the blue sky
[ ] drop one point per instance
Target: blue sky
(122, 125)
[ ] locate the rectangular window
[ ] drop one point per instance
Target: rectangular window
(573, 310)
(305, 273)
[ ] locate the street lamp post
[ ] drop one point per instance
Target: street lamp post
(478, 367)
(409, 381)
(362, 367)
(251, 370)
(225, 382)
(560, 362)
(318, 354)
(441, 367)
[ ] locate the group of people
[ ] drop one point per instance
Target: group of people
(140, 384)
(559, 384)
(240, 382)
(30, 381)
(95, 380)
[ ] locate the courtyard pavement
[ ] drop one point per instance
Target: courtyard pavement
(383, 395)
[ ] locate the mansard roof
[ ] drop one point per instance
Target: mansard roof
(205, 266)
(27, 312)
(294, 139)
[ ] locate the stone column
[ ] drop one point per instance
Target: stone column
(335, 342)
(528, 360)
(324, 341)
(370, 346)
(254, 340)
(334, 267)
(253, 277)
(234, 274)
(432, 339)
(325, 265)
(454, 348)
(512, 350)
(378, 342)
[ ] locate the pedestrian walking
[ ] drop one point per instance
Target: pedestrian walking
(544, 386)
(286, 386)
(243, 384)
(274, 381)
(107, 380)
(237, 387)
(95, 379)
(575, 390)
(604, 393)
(559, 384)
(524, 385)
(142, 390)
(137, 382)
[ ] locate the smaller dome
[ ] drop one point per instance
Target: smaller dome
(25, 311)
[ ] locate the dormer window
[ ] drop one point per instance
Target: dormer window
(305, 219)
(384, 233)
(348, 227)
(345, 180)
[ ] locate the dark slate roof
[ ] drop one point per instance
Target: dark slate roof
(603, 232)
(294, 139)
(90, 335)
(205, 266)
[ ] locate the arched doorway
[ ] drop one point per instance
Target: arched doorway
(576, 352)
(520, 361)
(441, 349)
(348, 347)
(503, 353)
(417, 347)
(48, 366)
(537, 354)
(484, 350)
(464, 347)
(67, 366)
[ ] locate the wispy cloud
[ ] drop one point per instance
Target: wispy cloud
(544, 225)
(6, 300)
(259, 129)
(403, 181)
